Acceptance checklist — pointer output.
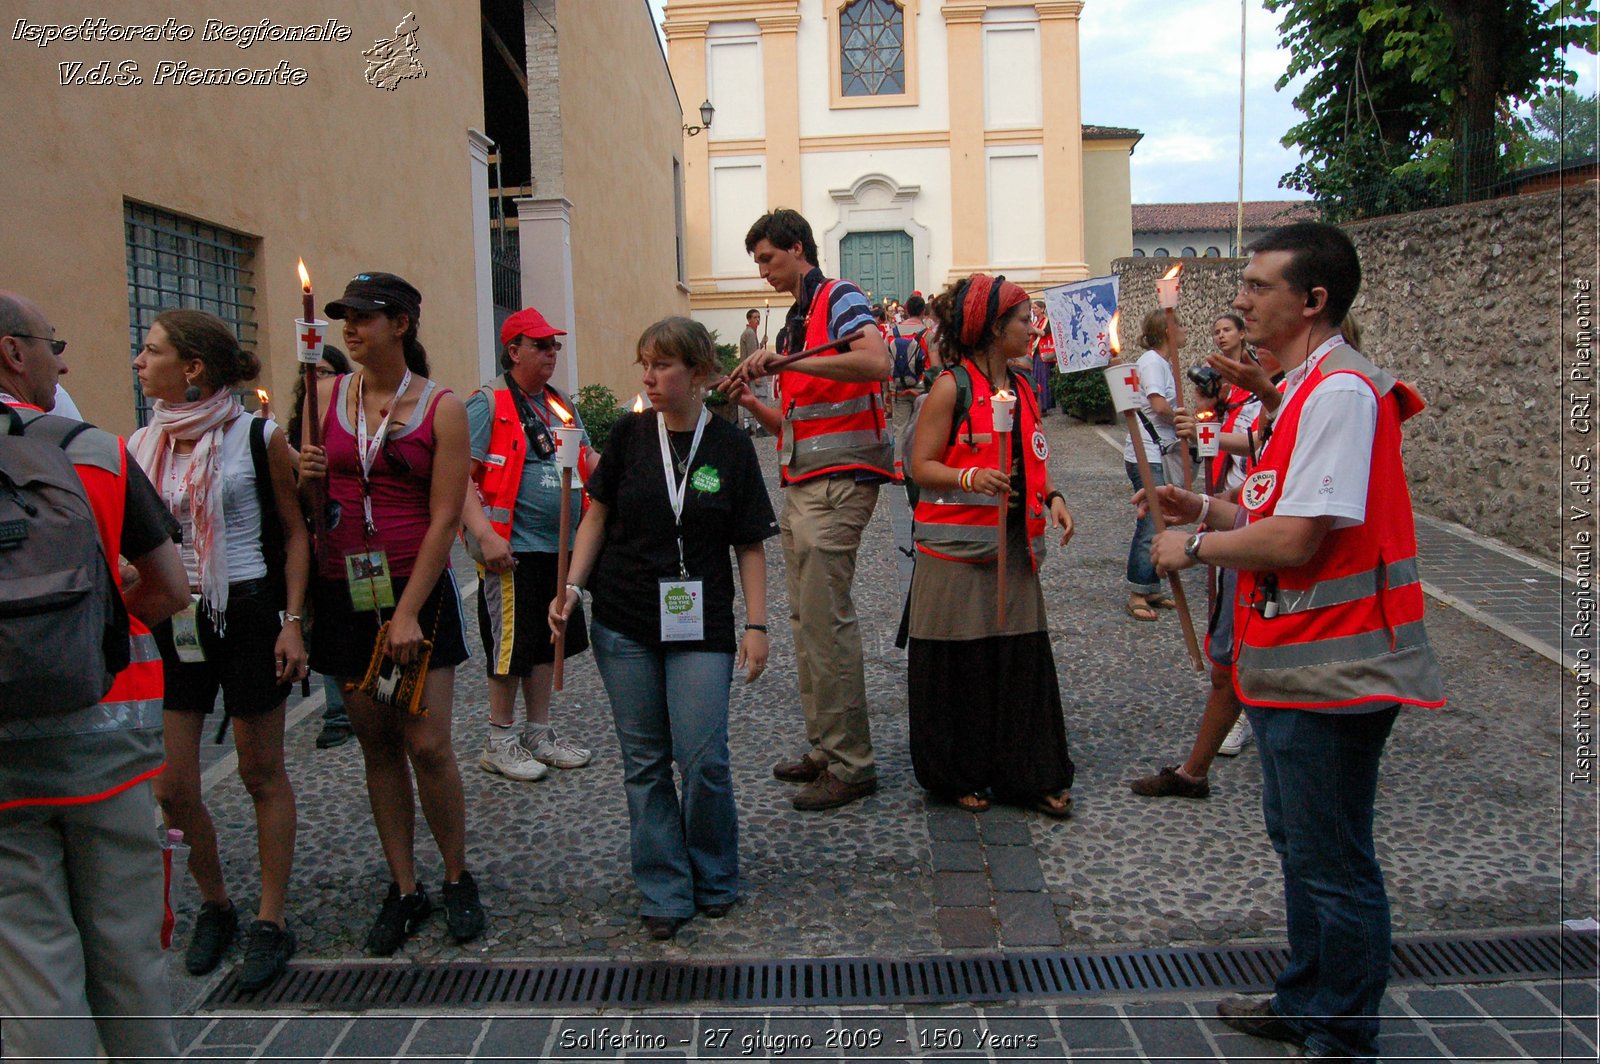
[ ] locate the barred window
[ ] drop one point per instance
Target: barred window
(178, 262)
(872, 49)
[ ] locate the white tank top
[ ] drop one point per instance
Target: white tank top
(241, 508)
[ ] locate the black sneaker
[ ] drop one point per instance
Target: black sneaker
(398, 920)
(265, 954)
(214, 931)
(463, 912)
(334, 735)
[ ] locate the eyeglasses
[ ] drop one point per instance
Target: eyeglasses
(546, 344)
(1255, 288)
(323, 372)
(56, 346)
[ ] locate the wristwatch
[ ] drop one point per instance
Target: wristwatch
(1192, 547)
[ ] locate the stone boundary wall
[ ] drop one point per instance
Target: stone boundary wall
(1467, 304)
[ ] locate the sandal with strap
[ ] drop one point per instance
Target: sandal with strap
(972, 803)
(1058, 806)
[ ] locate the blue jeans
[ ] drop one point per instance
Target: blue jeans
(671, 706)
(1319, 780)
(1142, 578)
(334, 713)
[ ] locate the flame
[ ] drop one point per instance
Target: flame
(1170, 274)
(305, 277)
(262, 396)
(638, 403)
(1116, 341)
(1206, 415)
(560, 411)
(1004, 396)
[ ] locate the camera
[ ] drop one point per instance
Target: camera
(1207, 381)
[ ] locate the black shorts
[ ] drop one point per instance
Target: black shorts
(513, 619)
(342, 637)
(241, 663)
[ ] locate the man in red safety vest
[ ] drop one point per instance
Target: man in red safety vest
(82, 899)
(835, 450)
(1329, 630)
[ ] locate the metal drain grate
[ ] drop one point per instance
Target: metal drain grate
(854, 981)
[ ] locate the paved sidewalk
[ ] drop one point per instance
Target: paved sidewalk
(1544, 1021)
(1479, 829)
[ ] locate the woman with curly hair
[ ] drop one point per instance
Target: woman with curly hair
(248, 557)
(985, 704)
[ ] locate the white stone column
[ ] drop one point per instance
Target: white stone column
(546, 226)
(478, 148)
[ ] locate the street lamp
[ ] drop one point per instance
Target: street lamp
(706, 111)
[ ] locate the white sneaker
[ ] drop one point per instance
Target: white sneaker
(544, 745)
(505, 754)
(1239, 736)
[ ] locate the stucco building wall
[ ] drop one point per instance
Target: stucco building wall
(345, 174)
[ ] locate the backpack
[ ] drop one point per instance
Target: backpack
(963, 405)
(910, 357)
(63, 624)
(273, 549)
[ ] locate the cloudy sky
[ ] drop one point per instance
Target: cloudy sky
(1170, 68)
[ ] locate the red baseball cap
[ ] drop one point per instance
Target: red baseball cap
(530, 323)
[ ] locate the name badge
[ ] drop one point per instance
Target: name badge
(186, 634)
(368, 575)
(683, 610)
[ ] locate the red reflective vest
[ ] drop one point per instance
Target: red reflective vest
(965, 526)
(830, 426)
(499, 475)
(134, 700)
(1346, 627)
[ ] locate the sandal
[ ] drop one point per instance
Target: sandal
(1161, 602)
(972, 803)
(1058, 806)
(1140, 611)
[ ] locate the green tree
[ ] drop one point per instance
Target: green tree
(1403, 96)
(1564, 124)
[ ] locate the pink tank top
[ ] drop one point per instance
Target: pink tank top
(401, 479)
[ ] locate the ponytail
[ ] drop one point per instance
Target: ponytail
(415, 354)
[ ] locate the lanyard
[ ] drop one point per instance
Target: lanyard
(367, 452)
(678, 490)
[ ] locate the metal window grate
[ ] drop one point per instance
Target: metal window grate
(878, 981)
(178, 262)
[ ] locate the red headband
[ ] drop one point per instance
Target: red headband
(986, 299)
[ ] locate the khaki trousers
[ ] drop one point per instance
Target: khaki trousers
(821, 524)
(80, 931)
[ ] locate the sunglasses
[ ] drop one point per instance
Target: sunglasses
(56, 346)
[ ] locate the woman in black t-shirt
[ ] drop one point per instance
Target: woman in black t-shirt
(675, 490)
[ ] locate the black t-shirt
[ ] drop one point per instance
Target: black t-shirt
(725, 505)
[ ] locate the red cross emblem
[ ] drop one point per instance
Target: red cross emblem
(312, 339)
(1258, 489)
(1132, 379)
(1207, 434)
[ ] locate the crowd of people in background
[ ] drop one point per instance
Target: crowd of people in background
(252, 555)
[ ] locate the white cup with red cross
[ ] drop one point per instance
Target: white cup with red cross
(308, 339)
(1122, 378)
(1207, 438)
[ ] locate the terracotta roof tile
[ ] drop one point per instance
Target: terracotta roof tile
(1185, 217)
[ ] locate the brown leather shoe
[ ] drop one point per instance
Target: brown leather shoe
(1255, 1016)
(828, 791)
(802, 769)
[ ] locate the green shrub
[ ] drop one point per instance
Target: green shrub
(728, 357)
(1084, 395)
(598, 407)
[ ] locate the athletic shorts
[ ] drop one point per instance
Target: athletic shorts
(342, 638)
(241, 663)
(513, 617)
